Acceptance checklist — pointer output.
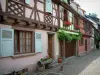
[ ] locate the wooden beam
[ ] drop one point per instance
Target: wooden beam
(17, 21)
(56, 1)
(4, 18)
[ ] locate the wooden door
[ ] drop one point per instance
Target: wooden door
(61, 47)
(70, 48)
(85, 45)
(50, 45)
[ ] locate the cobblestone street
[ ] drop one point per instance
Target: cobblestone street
(84, 65)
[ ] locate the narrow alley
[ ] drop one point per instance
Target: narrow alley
(87, 65)
(49, 37)
(84, 65)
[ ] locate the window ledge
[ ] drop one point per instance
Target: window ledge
(24, 55)
(20, 55)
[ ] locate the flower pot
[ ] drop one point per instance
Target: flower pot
(59, 60)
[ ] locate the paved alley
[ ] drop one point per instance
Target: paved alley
(84, 65)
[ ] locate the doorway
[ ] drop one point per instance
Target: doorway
(50, 45)
(70, 48)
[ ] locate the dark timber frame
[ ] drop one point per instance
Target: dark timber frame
(19, 19)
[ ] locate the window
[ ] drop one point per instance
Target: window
(70, 17)
(49, 6)
(65, 15)
(23, 42)
(81, 42)
(27, 1)
(76, 23)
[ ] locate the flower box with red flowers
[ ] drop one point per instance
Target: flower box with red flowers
(67, 23)
(77, 26)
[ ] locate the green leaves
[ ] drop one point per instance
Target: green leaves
(98, 37)
(62, 35)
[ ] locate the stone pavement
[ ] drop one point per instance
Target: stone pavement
(85, 65)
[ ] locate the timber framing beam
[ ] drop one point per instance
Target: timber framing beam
(28, 22)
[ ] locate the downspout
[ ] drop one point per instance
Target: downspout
(63, 49)
(77, 49)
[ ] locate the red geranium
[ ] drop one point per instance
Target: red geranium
(67, 23)
(77, 26)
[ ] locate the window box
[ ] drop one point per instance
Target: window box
(67, 23)
(44, 64)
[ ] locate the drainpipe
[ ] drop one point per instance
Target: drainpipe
(77, 51)
(63, 49)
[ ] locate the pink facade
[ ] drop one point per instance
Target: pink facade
(86, 46)
(82, 48)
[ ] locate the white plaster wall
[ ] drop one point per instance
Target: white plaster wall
(28, 11)
(74, 6)
(80, 11)
(61, 23)
(3, 5)
(92, 43)
(9, 64)
(56, 47)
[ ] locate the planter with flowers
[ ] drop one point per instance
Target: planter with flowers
(44, 63)
(78, 27)
(46, 60)
(67, 23)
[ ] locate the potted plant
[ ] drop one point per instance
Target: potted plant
(46, 62)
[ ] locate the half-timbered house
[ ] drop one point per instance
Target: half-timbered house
(68, 14)
(27, 33)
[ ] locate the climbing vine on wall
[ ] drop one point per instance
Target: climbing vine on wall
(98, 38)
(62, 35)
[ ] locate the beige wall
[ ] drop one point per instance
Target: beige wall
(9, 64)
(3, 5)
(56, 47)
(74, 5)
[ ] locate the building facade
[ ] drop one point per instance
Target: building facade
(27, 33)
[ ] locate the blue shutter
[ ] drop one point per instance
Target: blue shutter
(27, 1)
(49, 6)
(38, 42)
(6, 42)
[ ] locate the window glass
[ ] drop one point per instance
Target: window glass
(23, 42)
(27, 1)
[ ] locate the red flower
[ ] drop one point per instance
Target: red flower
(78, 27)
(67, 23)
